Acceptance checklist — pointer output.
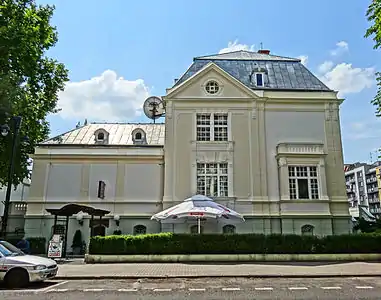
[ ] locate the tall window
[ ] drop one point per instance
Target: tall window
(259, 79)
(212, 179)
(101, 189)
(212, 127)
(303, 182)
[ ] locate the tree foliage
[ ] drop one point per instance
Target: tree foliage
(29, 80)
(374, 17)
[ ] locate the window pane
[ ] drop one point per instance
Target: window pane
(292, 188)
(223, 186)
(301, 171)
(220, 133)
(203, 133)
(291, 171)
(224, 168)
(313, 172)
(259, 78)
(203, 119)
(303, 189)
(201, 185)
(221, 119)
(314, 189)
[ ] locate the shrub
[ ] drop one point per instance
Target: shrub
(169, 243)
(77, 240)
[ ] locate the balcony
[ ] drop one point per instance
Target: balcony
(374, 200)
(375, 210)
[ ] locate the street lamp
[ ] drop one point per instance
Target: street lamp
(14, 131)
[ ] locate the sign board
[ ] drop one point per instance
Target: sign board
(55, 249)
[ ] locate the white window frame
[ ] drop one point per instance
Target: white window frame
(212, 126)
(308, 178)
(285, 161)
(218, 174)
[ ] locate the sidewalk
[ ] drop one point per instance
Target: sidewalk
(175, 270)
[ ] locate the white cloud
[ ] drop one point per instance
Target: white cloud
(304, 59)
(341, 47)
(103, 98)
(347, 79)
(325, 67)
(235, 46)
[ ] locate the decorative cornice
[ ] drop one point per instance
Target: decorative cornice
(300, 149)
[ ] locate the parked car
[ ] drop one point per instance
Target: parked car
(18, 269)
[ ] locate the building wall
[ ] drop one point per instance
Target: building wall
(259, 122)
(133, 188)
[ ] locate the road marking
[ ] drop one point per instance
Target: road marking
(127, 290)
(197, 290)
(297, 288)
(162, 290)
(264, 289)
(231, 289)
(54, 286)
(364, 287)
(57, 291)
(331, 288)
(93, 290)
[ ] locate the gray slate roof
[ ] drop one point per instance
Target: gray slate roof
(119, 134)
(281, 73)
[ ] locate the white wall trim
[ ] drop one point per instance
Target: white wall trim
(102, 151)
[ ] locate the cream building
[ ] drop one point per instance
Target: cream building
(257, 132)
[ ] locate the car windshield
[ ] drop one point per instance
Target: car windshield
(7, 249)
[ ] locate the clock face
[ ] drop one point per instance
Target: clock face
(153, 107)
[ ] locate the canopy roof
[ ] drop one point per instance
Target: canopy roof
(198, 206)
(72, 209)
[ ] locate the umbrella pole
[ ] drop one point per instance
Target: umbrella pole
(199, 225)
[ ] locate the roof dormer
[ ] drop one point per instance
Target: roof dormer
(101, 136)
(139, 137)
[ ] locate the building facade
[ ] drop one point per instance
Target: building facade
(362, 182)
(17, 208)
(259, 133)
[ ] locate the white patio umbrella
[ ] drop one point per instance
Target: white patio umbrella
(198, 206)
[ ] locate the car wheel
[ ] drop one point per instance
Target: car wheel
(17, 278)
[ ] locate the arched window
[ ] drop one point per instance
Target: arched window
(101, 136)
(228, 229)
(307, 230)
(138, 136)
(194, 229)
(140, 229)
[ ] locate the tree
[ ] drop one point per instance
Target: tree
(374, 16)
(29, 80)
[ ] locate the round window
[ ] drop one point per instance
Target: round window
(212, 87)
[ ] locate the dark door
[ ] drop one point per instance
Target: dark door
(99, 230)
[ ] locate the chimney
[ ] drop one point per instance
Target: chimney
(263, 51)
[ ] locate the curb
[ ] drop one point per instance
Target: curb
(243, 258)
(118, 277)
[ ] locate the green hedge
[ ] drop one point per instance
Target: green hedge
(37, 244)
(169, 243)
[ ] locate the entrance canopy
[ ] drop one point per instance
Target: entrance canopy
(72, 209)
(199, 207)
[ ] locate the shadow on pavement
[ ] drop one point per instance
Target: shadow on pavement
(31, 286)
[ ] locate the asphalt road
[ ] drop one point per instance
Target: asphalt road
(212, 288)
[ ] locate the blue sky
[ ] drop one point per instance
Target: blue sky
(120, 52)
